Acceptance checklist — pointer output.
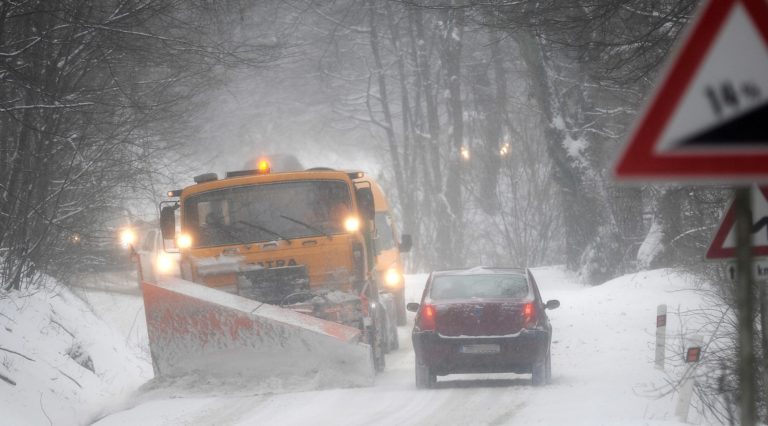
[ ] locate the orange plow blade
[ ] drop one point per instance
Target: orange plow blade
(194, 329)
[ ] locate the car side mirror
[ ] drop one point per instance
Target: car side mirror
(168, 222)
(406, 243)
(412, 307)
(552, 304)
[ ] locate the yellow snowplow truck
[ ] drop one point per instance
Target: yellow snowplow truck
(302, 241)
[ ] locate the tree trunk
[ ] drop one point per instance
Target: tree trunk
(424, 75)
(450, 222)
(566, 173)
(412, 151)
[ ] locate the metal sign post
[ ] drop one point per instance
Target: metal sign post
(763, 294)
(744, 285)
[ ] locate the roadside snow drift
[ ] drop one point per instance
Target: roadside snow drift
(59, 363)
(198, 331)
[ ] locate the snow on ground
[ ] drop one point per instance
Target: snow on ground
(62, 364)
(603, 371)
(603, 349)
(115, 297)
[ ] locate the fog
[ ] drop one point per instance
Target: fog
(493, 127)
(272, 111)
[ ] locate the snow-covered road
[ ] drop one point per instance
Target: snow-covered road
(602, 372)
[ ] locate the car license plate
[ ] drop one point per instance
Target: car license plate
(480, 349)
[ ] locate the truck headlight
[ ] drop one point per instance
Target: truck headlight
(164, 264)
(352, 224)
(127, 237)
(184, 241)
(393, 278)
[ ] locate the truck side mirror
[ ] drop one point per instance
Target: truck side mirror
(168, 222)
(365, 203)
(406, 243)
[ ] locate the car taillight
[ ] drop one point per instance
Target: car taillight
(529, 314)
(427, 318)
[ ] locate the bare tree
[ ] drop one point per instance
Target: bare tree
(90, 92)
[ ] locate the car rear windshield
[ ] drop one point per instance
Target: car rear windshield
(491, 286)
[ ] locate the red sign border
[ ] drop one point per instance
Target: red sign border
(639, 159)
(716, 250)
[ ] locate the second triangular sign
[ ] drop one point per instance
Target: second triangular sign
(724, 244)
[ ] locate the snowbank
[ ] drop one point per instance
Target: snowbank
(61, 364)
(603, 349)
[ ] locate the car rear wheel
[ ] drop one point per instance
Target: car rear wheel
(425, 379)
(542, 370)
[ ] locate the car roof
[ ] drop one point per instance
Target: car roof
(484, 270)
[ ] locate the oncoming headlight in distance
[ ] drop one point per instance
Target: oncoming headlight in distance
(127, 237)
(393, 278)
(184, 241)
(352, 224)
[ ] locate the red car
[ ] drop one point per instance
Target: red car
(482, 320)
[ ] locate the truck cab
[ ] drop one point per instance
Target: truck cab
(302, 240)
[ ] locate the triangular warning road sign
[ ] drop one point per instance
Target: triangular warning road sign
(707, 118)
(724, 244)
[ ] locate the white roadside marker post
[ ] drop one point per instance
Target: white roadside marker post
(692, 357)
(661, 334)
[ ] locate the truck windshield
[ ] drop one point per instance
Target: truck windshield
(257, 213)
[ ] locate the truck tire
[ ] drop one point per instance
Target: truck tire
(388, 327)
(377, 349)
(400, 306)
(394, 339)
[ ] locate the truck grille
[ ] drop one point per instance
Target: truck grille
(273, 285)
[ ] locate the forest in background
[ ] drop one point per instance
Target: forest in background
(492, 125)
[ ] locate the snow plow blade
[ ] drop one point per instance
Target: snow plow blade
(194, 329)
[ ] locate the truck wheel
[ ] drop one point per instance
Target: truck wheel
(394, 340)
(425, 379)
(388, 330)
(377, 349)
(400, 306)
